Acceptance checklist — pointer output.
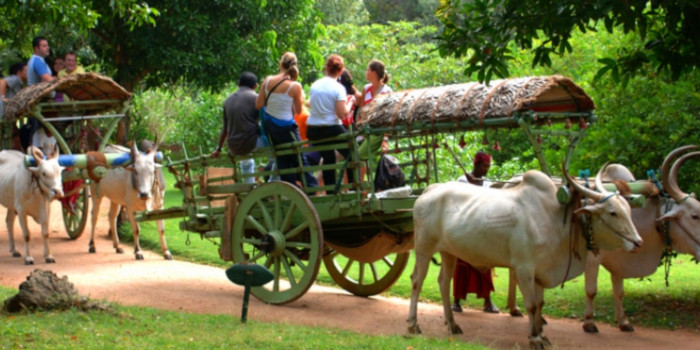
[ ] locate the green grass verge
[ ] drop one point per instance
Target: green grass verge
(648, 302)
(148, 328)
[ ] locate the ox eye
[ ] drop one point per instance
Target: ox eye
(695, 216)
(612, 213)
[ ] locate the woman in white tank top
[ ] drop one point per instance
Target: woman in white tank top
(285, 100)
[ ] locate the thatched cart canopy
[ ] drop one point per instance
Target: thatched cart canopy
(475, 101)
(78, 87)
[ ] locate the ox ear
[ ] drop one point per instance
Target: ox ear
(670, 215)
(37, 154)
(589, 209)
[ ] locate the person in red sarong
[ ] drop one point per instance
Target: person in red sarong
(466, 278)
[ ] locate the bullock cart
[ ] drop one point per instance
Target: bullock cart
(82, 119)
(363, 236)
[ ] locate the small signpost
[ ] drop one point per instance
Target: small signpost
(248, 275)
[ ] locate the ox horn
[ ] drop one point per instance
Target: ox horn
(155, 144)
(599, 179)
(585, 191)
(671, 182)
(668, 161)
(134, 151)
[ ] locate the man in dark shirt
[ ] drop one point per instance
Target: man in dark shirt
(241, 130)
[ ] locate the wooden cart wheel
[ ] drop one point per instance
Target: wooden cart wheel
(75, 222)
(277, 226)
(365, 279)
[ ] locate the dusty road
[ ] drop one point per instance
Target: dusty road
(182, 286)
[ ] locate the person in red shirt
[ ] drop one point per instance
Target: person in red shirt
(466, 278)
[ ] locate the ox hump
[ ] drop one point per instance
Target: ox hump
(539, 181)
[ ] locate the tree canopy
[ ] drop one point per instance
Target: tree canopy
(148, 43)
(667, 33)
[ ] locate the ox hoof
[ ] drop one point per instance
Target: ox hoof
(537, 344)
(626, 327)
(414, 329)
(167, 256)
(119, 250)
(139, 256)
(516, 313)
(92, 250)
(16, 255)
(545, 341)
(29, 261)
(50, 260)
(590, 328)
(456, 330)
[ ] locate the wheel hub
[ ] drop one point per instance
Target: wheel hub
(273, 243)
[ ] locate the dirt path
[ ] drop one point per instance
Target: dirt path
(182, 286)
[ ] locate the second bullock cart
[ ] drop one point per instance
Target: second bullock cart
(362, 235)
(81, 111)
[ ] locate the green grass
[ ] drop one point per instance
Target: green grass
(148, 328)
(648, 302)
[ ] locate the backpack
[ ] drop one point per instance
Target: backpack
(389, 174)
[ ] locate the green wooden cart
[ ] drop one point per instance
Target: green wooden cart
(83, 121)
(362, 236)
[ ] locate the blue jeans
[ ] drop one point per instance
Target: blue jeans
(248, 165)
(286, 134)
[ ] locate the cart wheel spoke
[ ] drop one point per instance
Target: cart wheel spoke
(266, 216)
(373, 269)
(288, 271)
(298, 244)
(252, 241)
(295, 259)
(278, 213)
(257, 256)
(254, 222)
(288, 218)
(295, 231)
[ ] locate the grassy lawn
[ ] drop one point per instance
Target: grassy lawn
(648, 302)
(148, 328)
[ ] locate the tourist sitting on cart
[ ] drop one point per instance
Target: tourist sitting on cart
(329, 105)
(466, 278)
(9, 86)
(241, 129)
(282, 97)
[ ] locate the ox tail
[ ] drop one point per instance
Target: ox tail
(435, 261)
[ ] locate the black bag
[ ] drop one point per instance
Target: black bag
(389, 174)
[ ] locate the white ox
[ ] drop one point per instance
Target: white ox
(29, 191)
(523, 228)
(136, 188)
(682, 215)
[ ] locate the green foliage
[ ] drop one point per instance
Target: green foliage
(481, 30)
(334, 12)
(410, 57)
(178, 116)
(64, 22)
(385, 11)
(206, 44)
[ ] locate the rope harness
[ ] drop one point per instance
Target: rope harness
(579, 225)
